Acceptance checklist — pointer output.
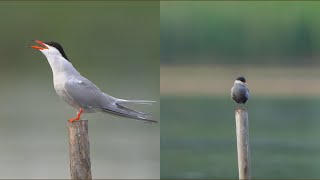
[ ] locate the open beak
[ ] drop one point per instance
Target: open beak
(39, 47)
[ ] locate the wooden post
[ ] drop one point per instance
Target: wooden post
(243, 148)
(79, 150)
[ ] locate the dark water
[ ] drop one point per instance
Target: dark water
(198, 137)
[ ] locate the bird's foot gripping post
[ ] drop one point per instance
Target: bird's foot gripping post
(78, 116)
(79, 150)
(243, 147)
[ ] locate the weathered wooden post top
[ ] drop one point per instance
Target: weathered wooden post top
(243, 147)
(79, 150)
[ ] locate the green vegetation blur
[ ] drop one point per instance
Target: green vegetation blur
(116, 46)
(204, 47)
(240, 32)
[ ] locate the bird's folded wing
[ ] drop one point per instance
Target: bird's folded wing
(247, 93)
(121, 110)
(84, 92)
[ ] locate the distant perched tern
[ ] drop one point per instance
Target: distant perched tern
(79, 92)
(240, 91)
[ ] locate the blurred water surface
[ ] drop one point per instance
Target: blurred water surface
(198, 137)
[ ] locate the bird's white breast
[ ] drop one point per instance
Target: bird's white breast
(59, 83)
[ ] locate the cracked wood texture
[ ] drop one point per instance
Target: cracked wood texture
(79, 150)
(243, 147)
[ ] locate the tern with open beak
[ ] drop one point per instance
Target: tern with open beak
(81, 93)
(240, 91)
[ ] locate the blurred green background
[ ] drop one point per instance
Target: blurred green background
(114, 44)
(239, 32)
(204, 47)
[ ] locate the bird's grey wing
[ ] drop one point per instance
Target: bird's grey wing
(120, 110)
(87, 95)
(247, 93)
(84, 92)
(232, 93)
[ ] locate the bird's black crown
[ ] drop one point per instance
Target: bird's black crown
(59, 47)
(242, 79)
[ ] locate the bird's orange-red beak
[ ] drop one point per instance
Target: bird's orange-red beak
(39, 47)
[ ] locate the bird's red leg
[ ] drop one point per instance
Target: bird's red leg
(78, 116)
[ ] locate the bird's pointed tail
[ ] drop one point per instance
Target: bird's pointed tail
(124, 111)
(125, 101)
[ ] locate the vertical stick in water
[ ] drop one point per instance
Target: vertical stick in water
(243, 148)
